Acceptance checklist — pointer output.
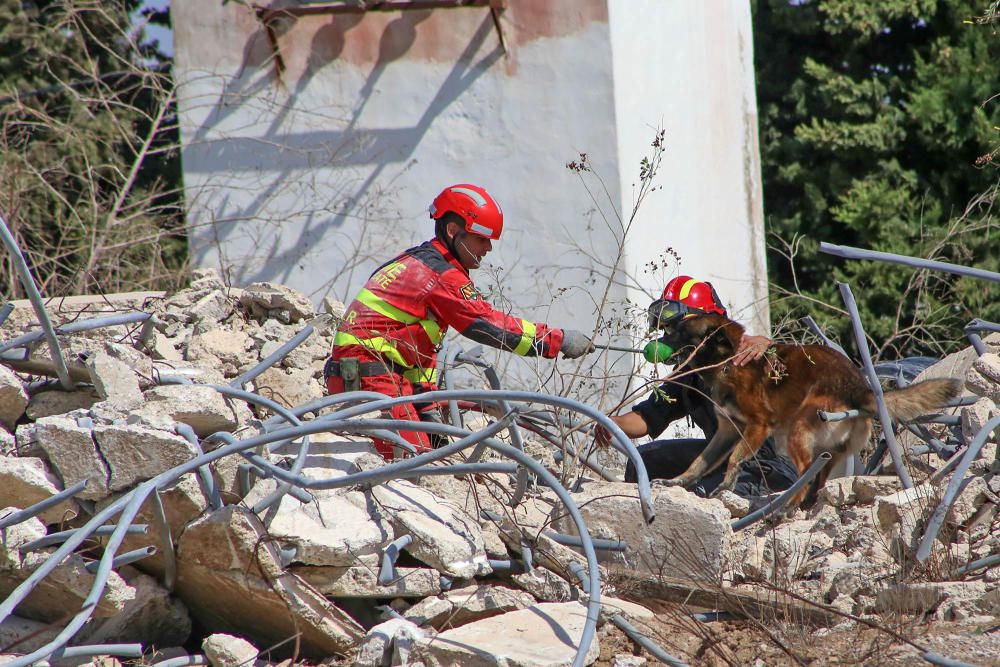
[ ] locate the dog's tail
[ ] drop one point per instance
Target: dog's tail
(920, 398)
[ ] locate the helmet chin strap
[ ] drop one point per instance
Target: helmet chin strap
(472, 254)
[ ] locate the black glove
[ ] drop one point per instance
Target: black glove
(575, 344)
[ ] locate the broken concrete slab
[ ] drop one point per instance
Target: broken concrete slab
(24, 635)
(388, 643)
(431, 612)
(336, 529)
(13, 398)
(276, 301)
(221, 348)
(134, 454)
(444, 536)
(114, 380)
(691, 537)
(288, 387)
(230, 577)
(152, 617)
(182, 501)
(61, 594)
(362, 582)
(25, 481)
(901, 516)
(869, 487)
(15, 537)
(224, 650)
(55, 402)
(202, 408)
(545, 635)
(479, 601)
(73, 454)
(942, 599)
(545, 585)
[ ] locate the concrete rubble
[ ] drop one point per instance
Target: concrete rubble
(303, 577)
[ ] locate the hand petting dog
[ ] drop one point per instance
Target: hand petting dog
(751, 348)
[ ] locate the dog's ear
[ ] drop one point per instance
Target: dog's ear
(698, 327)
(723, 333)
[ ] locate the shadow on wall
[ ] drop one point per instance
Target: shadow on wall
(318, 204)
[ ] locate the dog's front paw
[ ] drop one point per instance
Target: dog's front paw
(719, 489)
(666, 482)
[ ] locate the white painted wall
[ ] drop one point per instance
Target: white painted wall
(314, 177)
(687, 67)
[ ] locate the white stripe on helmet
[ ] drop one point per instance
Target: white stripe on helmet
(471, 194)
(482, 230)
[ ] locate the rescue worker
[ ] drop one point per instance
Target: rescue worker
(391, 332)
(760, 475)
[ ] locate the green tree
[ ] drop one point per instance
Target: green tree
(89, 165)
(877, 124)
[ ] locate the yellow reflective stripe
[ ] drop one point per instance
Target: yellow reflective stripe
(378, 344)
(527, 338)
(433, 330)
(382, 308)
(686, 289)
(421, 375)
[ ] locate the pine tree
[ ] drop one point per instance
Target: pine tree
(876, 129)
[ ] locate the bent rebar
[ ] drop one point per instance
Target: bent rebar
(77, 327)
(574, 541)
(780, 501)
(184, 661)
(937, 659)
(811, 323)
(389, 471)
(654, 649)
(937, 519)
(988, 561)
(622, 624)
(508, 566)
(619, 439)
(5, 312)
(972, 331)
(475, 358)
(124, 650)
(251, 397)
(301, 495)
(387, 571)
(273, 358)
(848, 252)
(208, 485)
(123, 559)
(63, 535)
(895, 451)
(837, 416)
(39, 507)
(31, 289)
(166, 541)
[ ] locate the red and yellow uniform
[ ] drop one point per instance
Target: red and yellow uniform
(400, 317)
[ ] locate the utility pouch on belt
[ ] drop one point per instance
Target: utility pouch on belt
(350, 373)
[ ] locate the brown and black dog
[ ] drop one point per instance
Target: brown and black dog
(780, 395)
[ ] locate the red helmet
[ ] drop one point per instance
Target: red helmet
(694, 293)
(683, 296)
(481, 213)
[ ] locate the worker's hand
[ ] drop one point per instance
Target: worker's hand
(602, 436)
(575, 344)
(751, 348)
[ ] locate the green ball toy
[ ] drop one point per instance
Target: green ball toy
(657, 352)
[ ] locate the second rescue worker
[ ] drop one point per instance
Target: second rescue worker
(391, 332)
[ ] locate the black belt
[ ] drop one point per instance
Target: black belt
(365, 368)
